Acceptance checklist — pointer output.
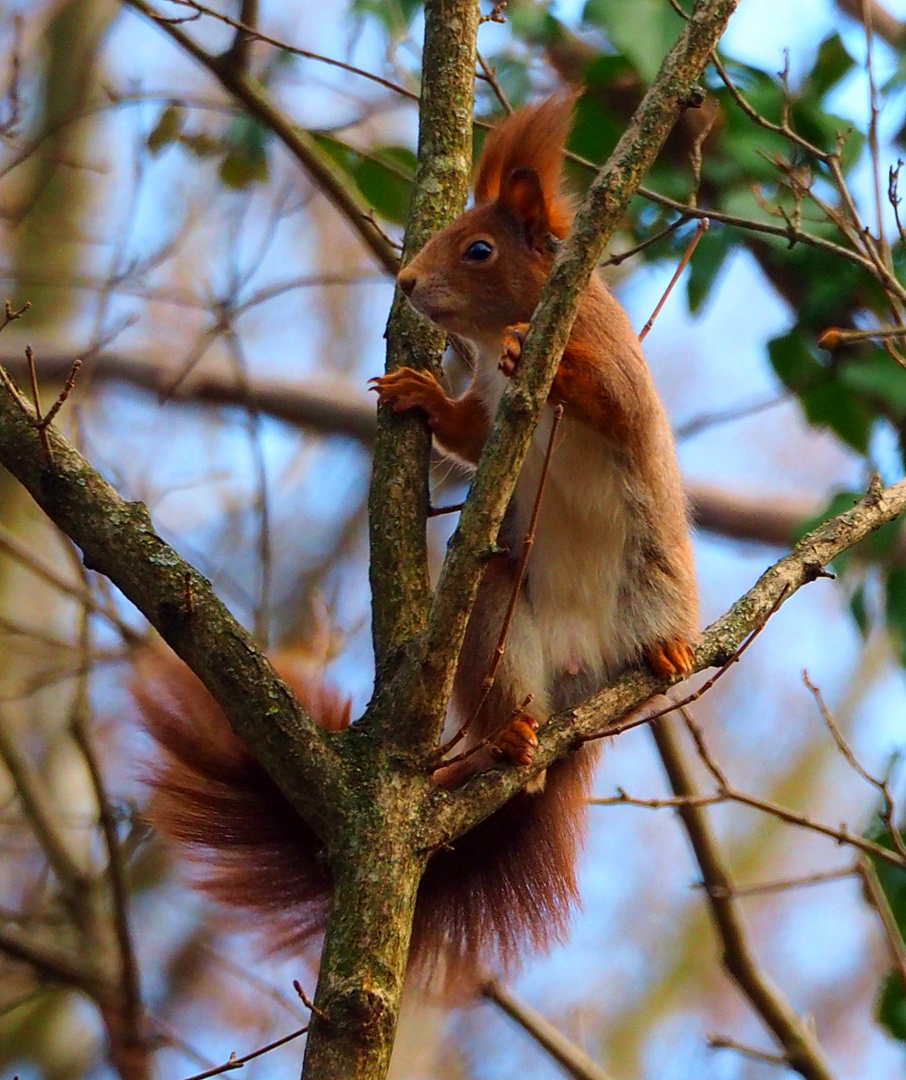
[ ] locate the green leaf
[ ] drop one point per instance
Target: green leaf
(707, 261)
(878, 376)
(891, 1008)
(385, 181)
(596, 129)
(832, 63)
(245, 162)
(395, 15)
(167, 129)
(383, 176)
(833, 406)
(643, 31)
(794, 362)
(859, 612)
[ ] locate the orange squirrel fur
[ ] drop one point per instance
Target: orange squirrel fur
(609, 583)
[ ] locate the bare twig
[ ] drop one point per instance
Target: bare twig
(683, 263)
(527, 543)
(801, 1050)
(572, 1058)
(234, 1062)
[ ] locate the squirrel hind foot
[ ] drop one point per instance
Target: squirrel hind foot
(673, 658)
(518, 740)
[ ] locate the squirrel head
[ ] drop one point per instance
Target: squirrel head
(484, 271)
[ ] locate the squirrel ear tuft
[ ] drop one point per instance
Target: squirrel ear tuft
(522, 195)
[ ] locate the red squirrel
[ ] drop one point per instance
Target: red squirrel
(609, 584)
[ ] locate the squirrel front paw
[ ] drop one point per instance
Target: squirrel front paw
(407, 388)
(511, 347)
(671, 659)
(518, 741)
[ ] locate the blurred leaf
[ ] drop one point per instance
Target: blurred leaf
(167, 129)
(832, 63)
(201, 144)
(891, 1009)
(245, 162)
(833, 406)
(596, 129)
(793, 361)
(385, 181)
(895, 606)
(383, 177)
(878, 376)
(891, 1006)
(707, 261)
(621, 23)
(395, 15)
(859, 611)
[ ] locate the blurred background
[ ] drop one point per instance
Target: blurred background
(228, 317)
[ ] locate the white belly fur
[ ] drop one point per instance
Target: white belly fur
(577, 560)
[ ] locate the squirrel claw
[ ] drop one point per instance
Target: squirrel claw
(518, 741)
(511, 348)
(671, 659)
(406, 389)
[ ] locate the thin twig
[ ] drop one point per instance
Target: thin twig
(234, 1062)
(801, 1050)
(723, 1042)
(878, 900)
(684, 261)
(567, 1054)
(527, 543)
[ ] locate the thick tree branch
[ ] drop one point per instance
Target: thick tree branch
(378, 867)
(398, 500)
(460, 810)
(117, 538)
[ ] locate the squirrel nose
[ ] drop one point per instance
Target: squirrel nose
(406, 279)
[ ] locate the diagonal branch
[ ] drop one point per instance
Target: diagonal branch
(571, 1057)
(298, 142)
(460, 810)
(798, 1041)
(117, 538)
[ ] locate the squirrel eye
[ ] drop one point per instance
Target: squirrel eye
(479, 251)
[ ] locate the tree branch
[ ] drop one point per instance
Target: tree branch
(459, 810)
(801, 1049)
(566, 1053)
(398, 499)
(323, 174)
(117, 538)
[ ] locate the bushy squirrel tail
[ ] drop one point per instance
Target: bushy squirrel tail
(504, 889)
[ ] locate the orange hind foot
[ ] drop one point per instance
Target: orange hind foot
(518, 741)
(671, 659)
